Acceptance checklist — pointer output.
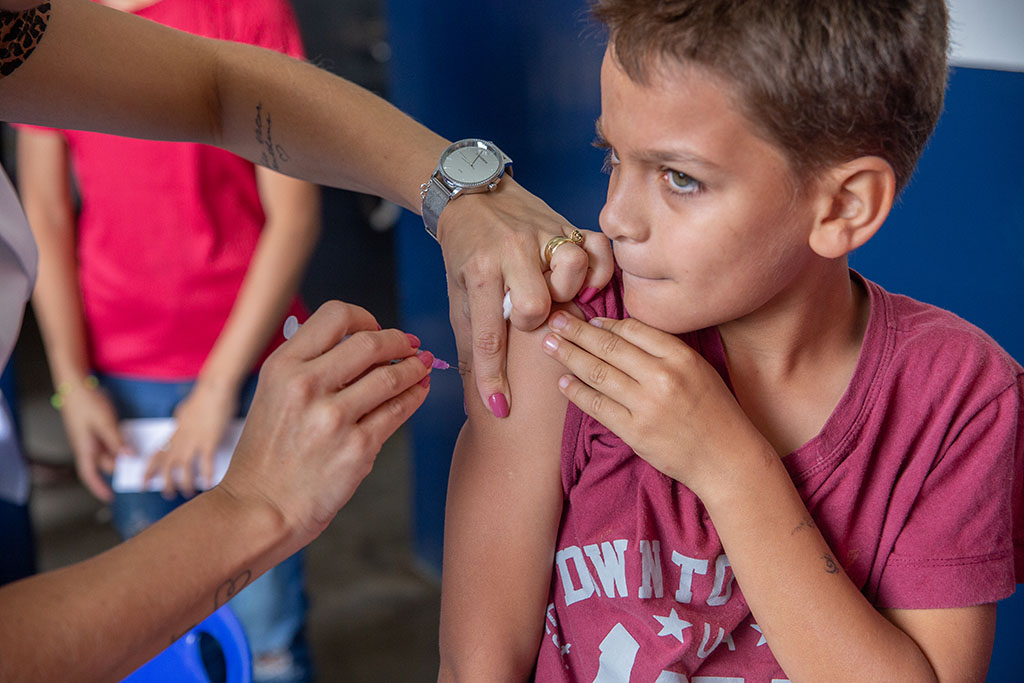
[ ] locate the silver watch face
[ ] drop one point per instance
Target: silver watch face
(471, 162)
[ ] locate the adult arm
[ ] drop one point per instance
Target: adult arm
(290, 231)
(99, 69)
(674, 411)
(89, 417)
(302, 454)
(501, 524)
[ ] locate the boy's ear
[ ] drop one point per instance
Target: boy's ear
(856, 196)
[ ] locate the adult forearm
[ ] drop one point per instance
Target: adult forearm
(271, 109)
(817, 623)
(308, 123)
(121, 608)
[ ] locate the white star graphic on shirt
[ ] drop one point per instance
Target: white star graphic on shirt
(757, 628)
(672, 625)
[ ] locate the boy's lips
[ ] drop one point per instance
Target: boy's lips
(638, 276)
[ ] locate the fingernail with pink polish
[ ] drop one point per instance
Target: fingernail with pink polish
(425, 382)
(498, 404)
(587, 294)
(414, 341)
(426, 357)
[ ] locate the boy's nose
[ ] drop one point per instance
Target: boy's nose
(623, 216)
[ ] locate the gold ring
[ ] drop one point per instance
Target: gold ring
(576, 237)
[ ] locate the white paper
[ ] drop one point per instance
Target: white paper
(146, 436)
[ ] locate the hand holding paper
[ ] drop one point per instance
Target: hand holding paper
(147, 436)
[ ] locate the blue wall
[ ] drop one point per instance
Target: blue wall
(956, 236)
(956, 239)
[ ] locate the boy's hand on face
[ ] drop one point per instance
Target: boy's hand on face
(656, 393)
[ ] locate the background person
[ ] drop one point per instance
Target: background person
(168, 286)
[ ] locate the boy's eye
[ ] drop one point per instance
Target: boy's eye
(611, 159)
(680, 182)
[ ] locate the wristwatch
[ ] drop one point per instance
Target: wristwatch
(470, 165)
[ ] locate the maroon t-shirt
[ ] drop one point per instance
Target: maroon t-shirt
(915, 481)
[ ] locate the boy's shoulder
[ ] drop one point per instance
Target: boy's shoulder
(926, 338)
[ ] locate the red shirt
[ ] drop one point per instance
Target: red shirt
(915, 481)
(167, 230)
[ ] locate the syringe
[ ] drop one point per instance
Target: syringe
(291, 326)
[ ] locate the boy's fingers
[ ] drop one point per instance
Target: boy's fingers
(595, 403)
(603, 344)
(651, 340)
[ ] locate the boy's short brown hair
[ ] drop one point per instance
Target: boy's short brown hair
(826, 80)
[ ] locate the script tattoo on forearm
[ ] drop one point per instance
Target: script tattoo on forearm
(273, 154)
(20, 33)
(830, 565)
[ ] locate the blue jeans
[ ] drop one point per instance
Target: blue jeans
(272, 608)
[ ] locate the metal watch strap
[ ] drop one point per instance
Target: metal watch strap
(435, 197)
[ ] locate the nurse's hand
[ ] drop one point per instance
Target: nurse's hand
(494, 243)
(323, 408)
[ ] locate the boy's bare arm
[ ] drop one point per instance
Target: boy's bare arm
(818, 624)
(503, 511)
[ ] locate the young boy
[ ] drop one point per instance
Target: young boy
(815, 480)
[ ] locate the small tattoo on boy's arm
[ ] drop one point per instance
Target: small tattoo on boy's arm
(805, 523)
(273, 154)
(830, 564)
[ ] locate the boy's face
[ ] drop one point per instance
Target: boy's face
(703, 215)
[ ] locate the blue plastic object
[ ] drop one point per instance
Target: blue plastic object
(182, 662)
